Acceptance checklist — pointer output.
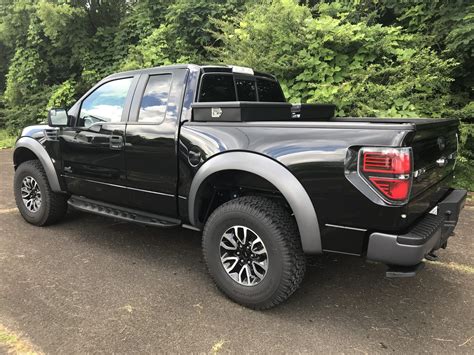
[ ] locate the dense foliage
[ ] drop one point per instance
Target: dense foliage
(370, 57)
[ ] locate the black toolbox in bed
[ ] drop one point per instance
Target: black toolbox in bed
(241, 111)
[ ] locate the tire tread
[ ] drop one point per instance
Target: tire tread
(56, 203)
(273, 214)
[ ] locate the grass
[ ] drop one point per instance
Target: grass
(217, 347)
(14, 343)
(6, 139)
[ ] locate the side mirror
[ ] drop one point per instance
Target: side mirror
(57, 117)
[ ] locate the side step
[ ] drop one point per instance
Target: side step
(404, 271)
(123, 213)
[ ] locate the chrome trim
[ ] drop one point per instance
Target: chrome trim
(442, 162)
(344, 227)
(120, 186)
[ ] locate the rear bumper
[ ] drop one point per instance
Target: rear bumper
(430, 233)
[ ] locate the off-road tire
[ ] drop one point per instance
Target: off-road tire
(275, 225)
(53, 205)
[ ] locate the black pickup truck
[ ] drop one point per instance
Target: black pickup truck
(217, 149)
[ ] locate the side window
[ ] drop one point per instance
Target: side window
(155, 99)
(217, 87)
(246, 90)
(105, 104)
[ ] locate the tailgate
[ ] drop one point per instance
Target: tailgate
(434, 147)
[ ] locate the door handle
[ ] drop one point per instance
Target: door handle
(116, 142)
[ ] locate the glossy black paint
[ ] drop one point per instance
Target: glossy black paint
(154, 170)
(313, 152)
(150, 150)
(89, 165)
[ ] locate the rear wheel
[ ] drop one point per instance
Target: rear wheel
(37, 203)
(253, 251)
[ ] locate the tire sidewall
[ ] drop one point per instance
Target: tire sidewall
(24, 170)
(264, 290)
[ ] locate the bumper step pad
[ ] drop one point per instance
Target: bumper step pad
(404, 271)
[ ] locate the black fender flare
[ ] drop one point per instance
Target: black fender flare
(34, 146)
(275, 173)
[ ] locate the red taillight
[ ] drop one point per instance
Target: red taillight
(391, 161)
(388, 170)
(394, 189)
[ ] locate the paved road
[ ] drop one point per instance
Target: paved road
(91, 284)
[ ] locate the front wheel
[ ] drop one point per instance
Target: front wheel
(253, 251)
(37, 203)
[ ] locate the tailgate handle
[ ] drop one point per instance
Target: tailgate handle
(442, 162)
(116, 142)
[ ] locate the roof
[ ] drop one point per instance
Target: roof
(204, 68)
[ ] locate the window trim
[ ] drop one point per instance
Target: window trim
(126, 105)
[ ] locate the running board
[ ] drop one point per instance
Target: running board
(123, 213)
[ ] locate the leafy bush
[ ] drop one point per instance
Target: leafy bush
(63, 95)
(7, 140)
(366, 70)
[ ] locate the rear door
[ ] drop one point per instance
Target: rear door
(92, 152)
(151, 141)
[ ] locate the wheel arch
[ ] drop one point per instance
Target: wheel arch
(27, 148)
(275, 174)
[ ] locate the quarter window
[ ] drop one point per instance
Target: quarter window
(155, 99)
(106, 103)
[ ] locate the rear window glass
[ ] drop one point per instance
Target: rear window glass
(269, 90)
(222, 87)
(246, 90)
(217, 88)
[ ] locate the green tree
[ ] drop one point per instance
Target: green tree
(367, 70)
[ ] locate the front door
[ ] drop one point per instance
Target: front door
(92, 152)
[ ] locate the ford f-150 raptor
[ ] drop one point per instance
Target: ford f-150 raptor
(219, 150)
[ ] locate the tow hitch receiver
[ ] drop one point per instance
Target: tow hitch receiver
(403, 271)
